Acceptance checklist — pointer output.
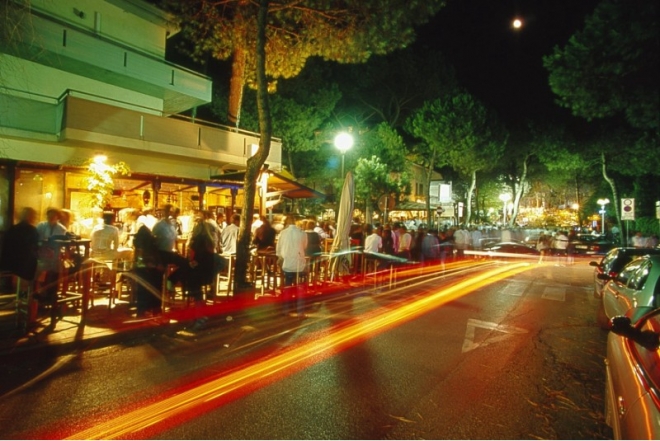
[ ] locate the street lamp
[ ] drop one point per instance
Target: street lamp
(505, 197)
(343, 142)
(602, 203)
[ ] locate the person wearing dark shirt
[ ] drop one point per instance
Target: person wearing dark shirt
(264, 236)
(20, 245)
(313, 239)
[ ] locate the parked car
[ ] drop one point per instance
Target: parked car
(589, 244)
(632, 404)
(634, 291)
(511, 248)
(613, 262)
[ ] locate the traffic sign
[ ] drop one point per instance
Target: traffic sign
(439, 210)
(628, 209)
(386, 203)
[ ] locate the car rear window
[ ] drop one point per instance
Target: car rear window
(628, 271)
(639, 277)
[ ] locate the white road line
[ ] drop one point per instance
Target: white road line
(469, 343)
(554, 293)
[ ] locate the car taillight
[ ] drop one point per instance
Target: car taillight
(612, 274)
(596, 247)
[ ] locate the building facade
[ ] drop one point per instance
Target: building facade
(81, 79)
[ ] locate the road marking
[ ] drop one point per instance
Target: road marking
(554, 293)
(515, 288)
(472, 325)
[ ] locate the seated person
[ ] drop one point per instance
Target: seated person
(105, 239)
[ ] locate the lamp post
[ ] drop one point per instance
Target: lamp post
(505, 197)
(602, 203)
(343, 142)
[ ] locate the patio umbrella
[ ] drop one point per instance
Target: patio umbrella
(341, 244)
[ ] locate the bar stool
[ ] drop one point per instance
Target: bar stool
(270, 273)
(227, 276)
(26, 306)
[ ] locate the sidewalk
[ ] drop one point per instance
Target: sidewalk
(103, 326)
(106, 326)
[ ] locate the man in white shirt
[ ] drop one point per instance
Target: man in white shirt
(229, 235)
(373, 243)
(290, 249)
(147, 219)
(105, 239)
(165, 238)
(164, 231)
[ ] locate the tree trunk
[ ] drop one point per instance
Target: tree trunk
(519, 189)
(236, 84)
(254, 163)
(615, 196)
(578, 202)
(290, 157)
(468, 208)
(429, 173)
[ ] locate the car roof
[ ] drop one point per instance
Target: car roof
(637, 251)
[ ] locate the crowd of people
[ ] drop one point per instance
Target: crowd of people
(29, 250)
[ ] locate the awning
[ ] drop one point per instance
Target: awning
(277, 184)
(410, 206)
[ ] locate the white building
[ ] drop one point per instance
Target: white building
(81, 78)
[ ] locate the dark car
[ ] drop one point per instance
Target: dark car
(632, 407)
(502, 249)
(589, 244)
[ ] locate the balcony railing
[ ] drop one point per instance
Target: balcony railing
(74, 50)
(79, 118)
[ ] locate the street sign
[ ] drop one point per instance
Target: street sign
(439, 211)
(386, 203)
(628, 209)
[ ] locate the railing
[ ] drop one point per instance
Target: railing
(109, 61)
(80, 117)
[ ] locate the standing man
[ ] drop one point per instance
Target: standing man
(560, 244)
(165, 237)
(49, 259)
(405, 240)
(373, 242)
(19, 246)
(291, 251)
(431, 247)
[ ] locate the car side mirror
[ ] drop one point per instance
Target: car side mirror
(593, 263)
(622, 326)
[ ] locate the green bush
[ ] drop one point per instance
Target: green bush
(647, 226)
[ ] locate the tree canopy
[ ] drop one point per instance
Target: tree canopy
(610, 67)
(347, 31)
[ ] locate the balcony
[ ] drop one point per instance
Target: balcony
(77, 120)
(76, 51)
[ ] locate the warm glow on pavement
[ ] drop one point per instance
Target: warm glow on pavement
(218, 391)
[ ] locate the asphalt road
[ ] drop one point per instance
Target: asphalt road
(517, 358)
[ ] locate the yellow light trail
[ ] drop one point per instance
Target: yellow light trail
(293, 360)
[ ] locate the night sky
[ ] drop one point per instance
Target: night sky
(501, 66)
